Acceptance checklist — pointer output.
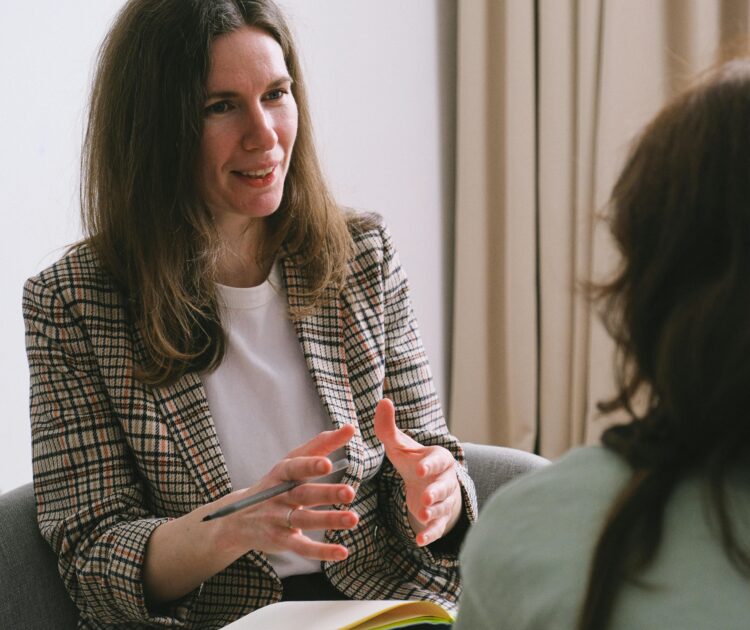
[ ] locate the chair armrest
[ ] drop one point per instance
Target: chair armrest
(492, 466)
(32, 593)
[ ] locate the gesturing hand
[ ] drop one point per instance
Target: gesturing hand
(186, 551)
(433, 494)
(278, 524)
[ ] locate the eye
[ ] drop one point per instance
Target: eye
(275, 95)
(220, 107)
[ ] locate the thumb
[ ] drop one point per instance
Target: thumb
(387, 431)
(385, 422)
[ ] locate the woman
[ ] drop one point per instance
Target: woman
(653, 529)
(166, 370)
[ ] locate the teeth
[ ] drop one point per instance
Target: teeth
(262, 173)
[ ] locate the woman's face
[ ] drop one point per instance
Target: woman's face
(250, 123)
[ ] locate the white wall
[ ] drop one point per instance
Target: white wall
(381, 80)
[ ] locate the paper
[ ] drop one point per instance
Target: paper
(341, 615)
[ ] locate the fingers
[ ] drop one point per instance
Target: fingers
(300, 468)
(322, 519)
(440, 487)
(439, 517)
(434, 500)
(315, 494)
(437, 498)
(309, 460)
(324, 443)
(301, 520)
(437, 511)
(432, 533)
(303, 546)
(433, 480)
(435, 461)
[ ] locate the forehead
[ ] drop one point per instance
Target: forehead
(248, 55)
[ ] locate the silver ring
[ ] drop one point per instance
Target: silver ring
(289, 517)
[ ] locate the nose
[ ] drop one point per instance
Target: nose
(259, 130)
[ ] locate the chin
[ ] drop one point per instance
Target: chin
(263, 212)
(258, 208)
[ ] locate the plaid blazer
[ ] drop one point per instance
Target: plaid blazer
(114, 458)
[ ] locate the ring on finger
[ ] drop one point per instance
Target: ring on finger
(289, 517)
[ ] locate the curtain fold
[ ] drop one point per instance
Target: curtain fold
(550, 95)
(492, 229)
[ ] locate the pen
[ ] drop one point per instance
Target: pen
(274, 491)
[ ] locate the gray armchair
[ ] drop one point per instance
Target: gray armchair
(492, 466)
(32, 596)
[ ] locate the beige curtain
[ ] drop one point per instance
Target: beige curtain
(550, 94)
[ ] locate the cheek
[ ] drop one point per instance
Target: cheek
(201, 173)
(211, 158)
(209, 152)
(206, 169)
(287, 129)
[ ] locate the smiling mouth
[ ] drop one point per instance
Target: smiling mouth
(258, 179)
(260, 174)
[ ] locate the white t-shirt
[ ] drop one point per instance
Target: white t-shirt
(262, 397)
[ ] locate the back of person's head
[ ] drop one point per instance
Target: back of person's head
(679, 312)
(142, 210)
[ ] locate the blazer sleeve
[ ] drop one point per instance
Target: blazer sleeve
(90, 498)
(408, 382)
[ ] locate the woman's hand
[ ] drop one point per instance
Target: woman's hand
(278, 524)
(433, 494)
(182, 553)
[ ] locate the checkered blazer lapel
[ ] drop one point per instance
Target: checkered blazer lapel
(185, 409)
(322, 340)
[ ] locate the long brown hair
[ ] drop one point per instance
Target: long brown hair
(679, 311)
(142, 213)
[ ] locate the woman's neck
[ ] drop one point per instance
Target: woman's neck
(247, 274)
(239, 264)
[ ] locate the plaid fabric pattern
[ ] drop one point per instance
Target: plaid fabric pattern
(114, 458)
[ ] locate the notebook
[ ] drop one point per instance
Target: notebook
(343, 615)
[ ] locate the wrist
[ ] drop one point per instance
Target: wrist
(181, 554)
(222, 540)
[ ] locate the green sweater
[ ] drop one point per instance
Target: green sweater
(525, 563)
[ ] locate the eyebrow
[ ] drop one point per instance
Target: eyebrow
(276, 83)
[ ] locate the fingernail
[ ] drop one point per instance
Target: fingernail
(341, 554)
(321, 467)
(344, 495)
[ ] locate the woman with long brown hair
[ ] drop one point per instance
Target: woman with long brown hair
(652, 529)
(225, 327)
